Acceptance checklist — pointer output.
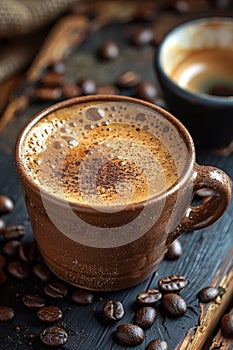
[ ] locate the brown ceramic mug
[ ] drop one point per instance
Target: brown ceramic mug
(108, 182)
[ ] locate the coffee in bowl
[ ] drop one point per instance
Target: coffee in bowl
(206, 71)
(195, 71)
(108, 182)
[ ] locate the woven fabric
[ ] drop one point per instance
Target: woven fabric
(21, 19)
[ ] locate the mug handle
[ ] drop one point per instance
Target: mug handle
(198, 217)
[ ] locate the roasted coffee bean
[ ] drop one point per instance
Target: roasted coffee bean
(2, 224)
(3, 276)
(32, 301)
(88, 86)
(53, 79)
(174, 250)
(180, 6)
(13, 232)
(11, 248)
(58, 67)
(208, 294)
(56, 290)
(6, 205)
(109, 50)
(48, 93)
(142, 36)
(71, 90)
(82, 297)
(222, 4)
(174, 304)
(49, 314)
(113, 310)
(53, 336)
(27, 252)
(227, 324)
(2, 261)
(145, 317)
(147, 12)
(147, 91)
(107, 90)
(6, 313)
(129, 334)
(129, 79)
(42, 272)
(172, 283)
(18, 270)
(157, 344)
(149, 297)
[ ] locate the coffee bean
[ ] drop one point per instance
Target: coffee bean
(142, 36)
(82, 297)
(208, 294)
(48, 93)
(13, 232)
(149, 297)
(174, 250)
(58, 67)
(42, 272)
(18, 270)
(174, 304)
(53, 79)
(147, 12)
(129, 79)
(53, 336)
(6, 205)
(2, 224)
(11, 248)
(27, 252)
(113, 310)
(2, 261)
(56, 290)
(3, 276)
(147, 91)
(32, 301)
(227, 324)
(49, 314)
(88, 86)
(129, 334)
(222, 4)
(71, 90)
(109, 50)
(6, 313)
(145, 317)
(172, 283)
(157, 344)
(107, 90)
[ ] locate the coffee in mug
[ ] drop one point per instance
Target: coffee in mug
(108, 182)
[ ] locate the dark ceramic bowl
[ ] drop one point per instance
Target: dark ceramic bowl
(208, 117)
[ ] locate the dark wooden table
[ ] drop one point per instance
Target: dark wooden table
(207, 257)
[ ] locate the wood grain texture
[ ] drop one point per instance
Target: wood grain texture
(207, 257)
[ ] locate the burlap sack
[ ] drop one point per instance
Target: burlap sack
(22, 28)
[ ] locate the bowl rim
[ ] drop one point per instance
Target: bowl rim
(201, 98)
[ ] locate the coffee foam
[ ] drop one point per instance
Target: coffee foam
(104, 153)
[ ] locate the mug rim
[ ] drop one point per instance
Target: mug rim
(183, 132)
(204, 99)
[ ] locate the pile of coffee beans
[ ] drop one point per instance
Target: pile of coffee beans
(166, 295)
